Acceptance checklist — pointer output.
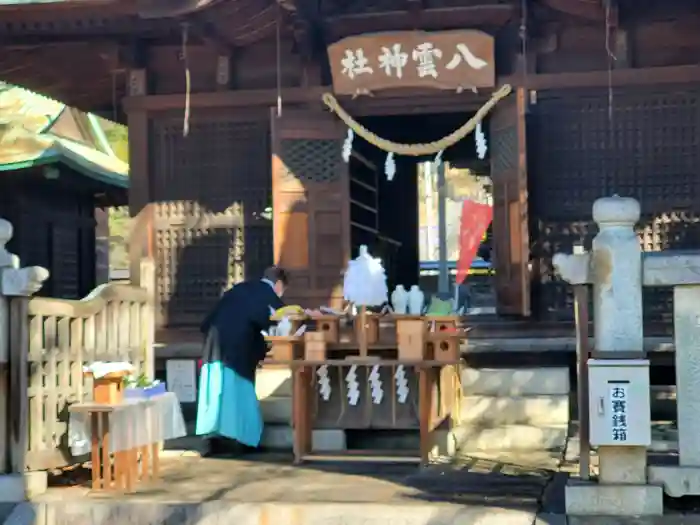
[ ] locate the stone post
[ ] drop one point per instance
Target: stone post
(614, 268)
(681, 270)
(15, 484)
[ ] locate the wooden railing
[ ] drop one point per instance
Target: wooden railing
(51, 340)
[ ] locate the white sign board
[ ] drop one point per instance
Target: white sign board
(618, 416)
(181, 379)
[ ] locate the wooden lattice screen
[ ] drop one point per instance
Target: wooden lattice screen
(646, 147)
(211, 190)
(311, 216)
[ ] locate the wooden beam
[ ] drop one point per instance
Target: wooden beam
(430, 19)
(105, 6)
(170, 8)
(242, 98)
(16, 42)
(208, 33)
(133, 55)
(590, 10)
(620, 77)
(302, 95)
(288, 5)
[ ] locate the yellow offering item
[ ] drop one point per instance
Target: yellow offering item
(289, 310)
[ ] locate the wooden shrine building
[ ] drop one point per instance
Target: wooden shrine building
(223, 99)
(56, 173)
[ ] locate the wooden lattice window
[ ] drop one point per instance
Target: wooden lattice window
(311, 160)
(211, 188)
(646, 147)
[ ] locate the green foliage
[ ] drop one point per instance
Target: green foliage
(119, 220)
(118, 137)
(119, 227)
(137, 382)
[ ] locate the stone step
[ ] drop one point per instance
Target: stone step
(280, 437)
(276, 410)
(472, 438)
(511, 382)
(277, 437)
(491, 411)
(273, 382)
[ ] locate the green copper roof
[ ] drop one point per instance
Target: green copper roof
(26, 120)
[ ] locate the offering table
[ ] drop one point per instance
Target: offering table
(123, 436)
(408, 381)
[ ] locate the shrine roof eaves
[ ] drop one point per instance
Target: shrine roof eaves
(28, 120)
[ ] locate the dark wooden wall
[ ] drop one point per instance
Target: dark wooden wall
(54, 227)
(211, 187)
(647, 147)
(210, 190)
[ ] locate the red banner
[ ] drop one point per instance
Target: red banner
(476, 218)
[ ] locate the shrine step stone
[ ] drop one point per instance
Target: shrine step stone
(276, 410)
(508, 382)
(280, 437)
(273, 382)
(539, 410)
(512, 409)
(474, 437)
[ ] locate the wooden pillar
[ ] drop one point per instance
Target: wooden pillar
(101, 246)
(140, 241)
(510, 216)
(223, 72)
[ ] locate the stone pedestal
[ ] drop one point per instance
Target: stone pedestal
(15, 484)
(614, 268)
(684, 479)
(596, 499)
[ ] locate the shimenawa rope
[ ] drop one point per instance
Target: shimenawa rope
(416, 150)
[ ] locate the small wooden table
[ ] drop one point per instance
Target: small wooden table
(126, 472)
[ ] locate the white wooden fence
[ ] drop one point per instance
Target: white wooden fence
(50, 342)
(45, 343)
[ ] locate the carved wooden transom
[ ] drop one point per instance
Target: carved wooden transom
(311, 160)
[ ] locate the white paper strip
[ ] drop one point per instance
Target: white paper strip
(375, 384)
(353, 386)
(324, 383)
(401, 384)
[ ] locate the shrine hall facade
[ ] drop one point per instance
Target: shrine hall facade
(237, 162)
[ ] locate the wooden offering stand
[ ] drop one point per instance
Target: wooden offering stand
(290, 348)
(108, 396)
(408, 381)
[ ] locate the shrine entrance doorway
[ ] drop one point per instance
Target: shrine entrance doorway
(387, 215)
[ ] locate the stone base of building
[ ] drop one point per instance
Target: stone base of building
(115, 511)
(593, 499)
(20, 487)
(677, 481)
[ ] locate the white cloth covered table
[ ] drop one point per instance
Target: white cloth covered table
(133, 423)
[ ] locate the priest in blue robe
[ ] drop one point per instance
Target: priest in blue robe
(228, 411)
